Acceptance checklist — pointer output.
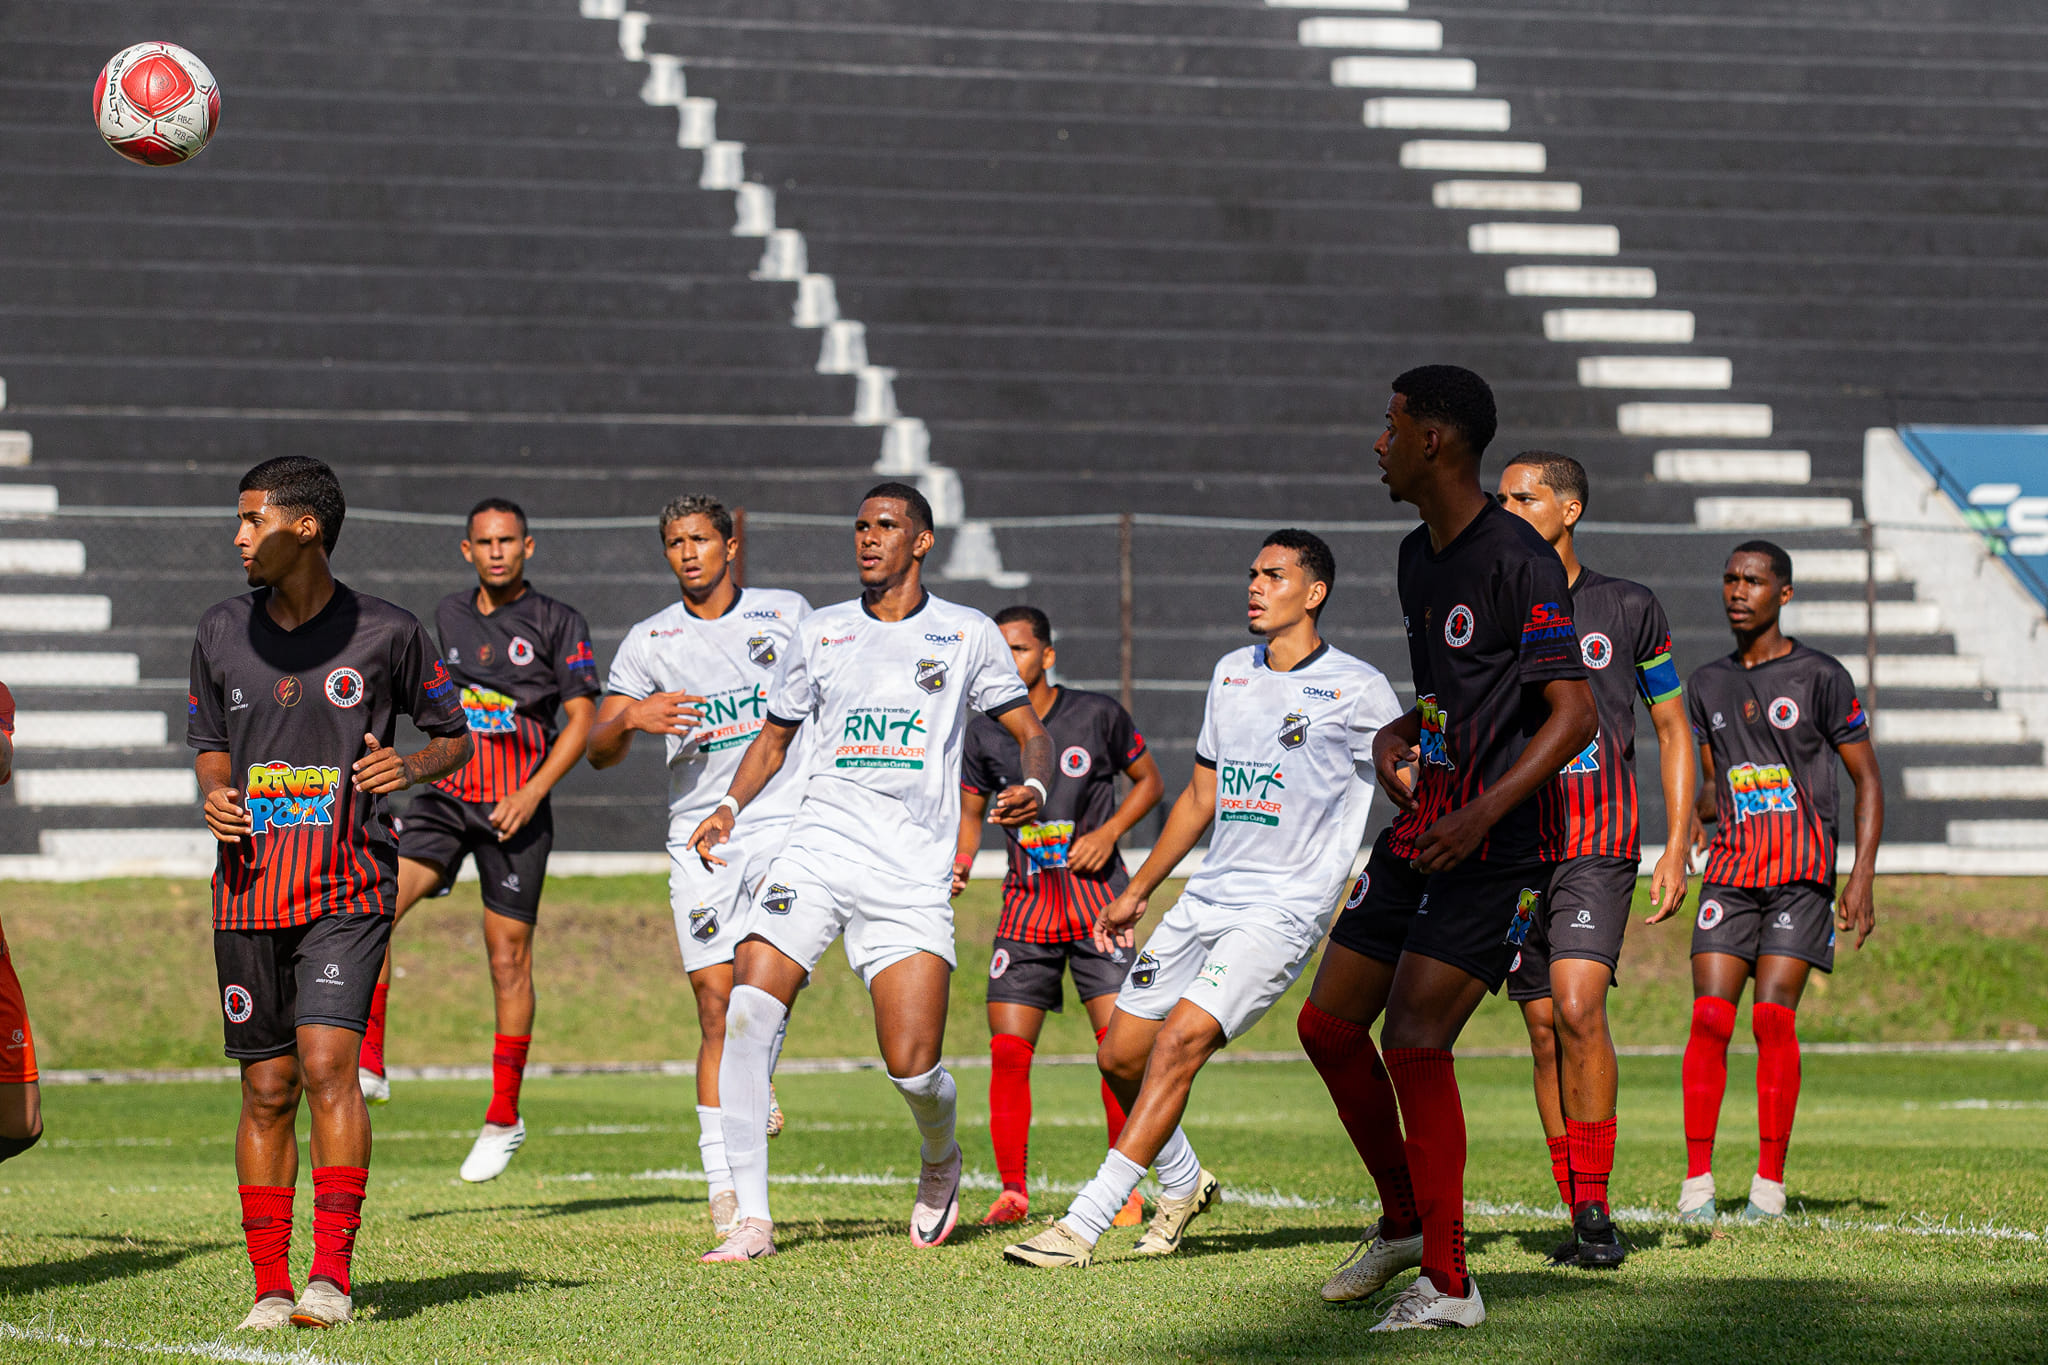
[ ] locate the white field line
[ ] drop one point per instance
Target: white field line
(201, 1350)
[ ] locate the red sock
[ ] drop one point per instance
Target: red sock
(1705, 1078)
(267, 1226)
(1561, 1166)
(372, 1056)
(1009, 1106)
(1427, 1083)
(337, 1213)
(1112, 1107)
(1777, 1084)
(1357, 1080)
(1592, 1154)
(508, 1067)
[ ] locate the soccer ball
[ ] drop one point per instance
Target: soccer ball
(156, 104)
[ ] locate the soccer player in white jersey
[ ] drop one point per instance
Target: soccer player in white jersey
(1283, 769)
(697, 674)
(887, 678)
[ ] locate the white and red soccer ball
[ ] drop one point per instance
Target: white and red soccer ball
(156, 104)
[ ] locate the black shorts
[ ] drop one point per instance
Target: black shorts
(1584, 916)
(1023, 973)
(274, 980)
(1475, 916)
(1794, 920)
(438, 829)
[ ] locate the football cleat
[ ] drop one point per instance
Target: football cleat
(1011, 1206)
(1131, 1214)
(725, 1213)
(1696, 1199)
(1171, 1217)
(1422, 1307)
(269, 1314)
(322, 1305)
(1368, 1268)
(1058, 1245)
(376, 1085)
(750, 1241)
(1766, 1201)
(774, 1112)
(493, 1151)
(937, 1209)
(1595, 1244)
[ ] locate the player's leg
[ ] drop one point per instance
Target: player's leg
(1588, 1080)
(434, 835)
(1723, 953)
(910, 1028)
(766, 980)
(258, 994)
(1529, 988)
(1013, 1038)
(1780, 982)
(513, 873)
(21, 1097)
(416, 880)
(1098, 976)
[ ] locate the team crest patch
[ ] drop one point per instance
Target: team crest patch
(931, 674)
(1145, 971)
(1458, 627)
(1075, 762)
(287, 691)
(999, 964)
(1710, 914)
(704, 923)
(779, 899)
(1596, 650)
(345, 688)
(1358, 890)
(761, 650)
(520, 651)
(237, 1004)
(1525, 915)
(1783, 713)
(1293, 730)
(1516, 965)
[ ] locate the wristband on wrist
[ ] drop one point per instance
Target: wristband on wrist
(726, 802)
(1036, 786)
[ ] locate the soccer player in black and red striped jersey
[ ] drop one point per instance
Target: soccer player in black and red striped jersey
(1770, 718)
(1064, 867)
(21, 1097)
(1568, 959)
(296, 692)
(529, 693)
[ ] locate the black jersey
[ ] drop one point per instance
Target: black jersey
(1773, 731)
(516, 667)
(1489, 617)
(290, 709)
(1625, 643)
(1094, 739)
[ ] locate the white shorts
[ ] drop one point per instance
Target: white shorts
(714, 905)
(1231, 966)
(882, 916)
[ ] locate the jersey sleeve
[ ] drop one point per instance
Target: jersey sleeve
(1206, 742)
(1537, 595)
(1375, 707)
(1656, 673)
(995, 687)
(977, 771)
(1126, 745)
(1696, 710)
(793, 691)
(575, 661)
(206, 726)
(424, 688)
(631, 675)
(1841, 716)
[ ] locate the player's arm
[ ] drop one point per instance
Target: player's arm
(1185, 824)
(6, 759)
(381, 771)
(973, 810)
(1706, 804)
(1568, 728)
(1857, 908)
(619, 717)
(1019, 804)
(764, 758)
(1395, 750)
(1680, 779)
(510, 815)
(1091, 851)
(220, 799)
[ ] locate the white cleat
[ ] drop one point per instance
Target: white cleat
(493, 1151)
(376, 1088)
(1368, 1268)
(268, 1315)
(322, 1305)
(1696, 1199)
(1421, 1308)
(937, 1208)
(750, 1241)
(1766, 1200)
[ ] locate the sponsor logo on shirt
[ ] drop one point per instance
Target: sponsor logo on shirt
(1783, 713)
(1324, 693)
(1855, 716)
(732, 718)
(236, 697)
(953, 639)
(288, 691)
(1245, 792)
(846, 639)
(1237, 682)
(1525, 915)
(1458, 627)
(931, 674)
(761, 614)
(484, 653)
(280, 796)
(520, 651)
(881, 737)
(1596, 650)
(191, 706)
(1076, 761)
(1293, 730)
(488, 712)
(761, 650)
(439, 685)
(1045, 846)
(1547, 621)
(1750, 711)
(1588, 759)
(1762, 789)
(1435, 753)
(580, 659)
(1710, 914)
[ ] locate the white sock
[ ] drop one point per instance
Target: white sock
(1180, 1170)
(932, 1099)
(751, 1019)
(1768, 1195)
(711, 1147)
(781, 1037)
(1102, 1198)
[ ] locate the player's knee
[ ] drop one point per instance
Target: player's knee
(1119, 1064)
(1542, 1041)
(270, 1099)
(1178, 1051)
(751, 1014)
(1713, 1018)
(1580, 1018)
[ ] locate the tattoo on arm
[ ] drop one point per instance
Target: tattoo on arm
(441, 756)
(1037, 757)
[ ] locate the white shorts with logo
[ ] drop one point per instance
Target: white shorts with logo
(715, 905)
(1230, 965)
(883, 917)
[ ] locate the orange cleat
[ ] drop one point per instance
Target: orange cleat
(1131, 1214)
(1011, 1206)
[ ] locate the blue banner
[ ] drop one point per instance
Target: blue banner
(1998, 479)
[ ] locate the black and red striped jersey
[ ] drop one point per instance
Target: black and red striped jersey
(1773, 731)
(1093, 739)
(1489, 619)
(6, 711)
(1625, 643)
(290, 709)
(516, 667)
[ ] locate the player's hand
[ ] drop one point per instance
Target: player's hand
(381, 770)
(510, 815)
(960, 874)
(1451, 840)
(716, 829)
(1091, 852)
(1116, 926)
(666, 713)
(1389, 756)
(1667, 886)
(1014, 806)
(1857, 909)
(226, 817)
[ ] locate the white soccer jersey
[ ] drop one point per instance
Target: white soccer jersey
(729, 660)
(1293, 758)
(885, 704)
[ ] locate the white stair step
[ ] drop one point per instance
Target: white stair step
(1733, 466)
(1509, 196)
(69, 668)
(118, 845)
(1948, 672)
(1544, 239)
(1392, 35)
(42, 556)
(27, 499)
(90, 729)
(55, 612)
(107, 787)
(1908, 725)
(1849, 618)
(1668, 326)
(1977, 784)
(1846, 566)
(1474, 116)
(1506, 158)
(1582, 282)
(1998, 833)
(1656, 372)
(17, 448)
(1740, 514)
(1726, 420)
(1404, 73)
(1394, 6)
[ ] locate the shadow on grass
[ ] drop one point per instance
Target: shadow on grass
(394, 1300)
(567, 1209)
(123, 1257)
(1205, 1242)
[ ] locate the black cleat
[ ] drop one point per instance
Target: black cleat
(1598, 1245)
(1567, 1253)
